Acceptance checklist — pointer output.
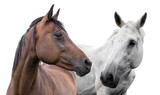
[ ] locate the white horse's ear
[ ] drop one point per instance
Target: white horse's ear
(118, 20)
(141, 22)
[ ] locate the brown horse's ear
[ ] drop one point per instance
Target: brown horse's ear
(48, 16)
(141, 22)
(56, 15)
(118, 20)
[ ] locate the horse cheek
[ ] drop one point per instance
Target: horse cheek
(137, 57)
(45, 52)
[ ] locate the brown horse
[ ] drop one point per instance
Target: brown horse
(46, 40)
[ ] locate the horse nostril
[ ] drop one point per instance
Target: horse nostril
(88, 62)
(101, 78)
(110, 78)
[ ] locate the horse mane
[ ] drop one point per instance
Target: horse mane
(22, 41)
(113, 34)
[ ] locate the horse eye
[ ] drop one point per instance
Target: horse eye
(58, 34)
(132, 43)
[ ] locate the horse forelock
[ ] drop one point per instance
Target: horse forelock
(130, 25)
(138, 31)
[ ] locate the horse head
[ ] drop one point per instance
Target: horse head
(53, 46)
(126, 51)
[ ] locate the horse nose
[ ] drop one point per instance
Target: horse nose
(109, 78)
(101, 78)
(87, 63)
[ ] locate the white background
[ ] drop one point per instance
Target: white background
(88, 22)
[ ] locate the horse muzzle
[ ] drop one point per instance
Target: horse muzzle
(85, 69)
(109, 80)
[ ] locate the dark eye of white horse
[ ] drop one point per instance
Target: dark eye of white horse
(132, 43)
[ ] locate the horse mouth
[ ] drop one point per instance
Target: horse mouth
(64, 60)
(80, 72)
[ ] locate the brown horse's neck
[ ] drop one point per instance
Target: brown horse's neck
(26, 71)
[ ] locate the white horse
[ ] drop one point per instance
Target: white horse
(114, 62)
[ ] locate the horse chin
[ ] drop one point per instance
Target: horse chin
(110, 85)
(80, 72)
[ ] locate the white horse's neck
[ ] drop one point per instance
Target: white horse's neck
(104, 51)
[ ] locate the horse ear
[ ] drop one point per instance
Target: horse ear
(141, 22)
(118, 20)
(48, 16)
(56, 15)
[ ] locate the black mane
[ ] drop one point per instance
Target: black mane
(22, 41)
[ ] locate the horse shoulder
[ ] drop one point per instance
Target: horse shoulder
(44, 85)
(53, 80)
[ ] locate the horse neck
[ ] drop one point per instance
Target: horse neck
(26, 71)
(103, 52)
